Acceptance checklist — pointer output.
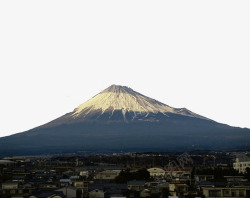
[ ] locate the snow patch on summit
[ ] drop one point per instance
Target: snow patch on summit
(124, 102)
(127, 100)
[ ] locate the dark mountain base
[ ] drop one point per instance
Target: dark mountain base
(178, 134)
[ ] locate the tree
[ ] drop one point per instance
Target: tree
(247, 174)
(126, 176)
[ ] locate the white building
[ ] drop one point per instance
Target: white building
(156, 172)
(242, 162)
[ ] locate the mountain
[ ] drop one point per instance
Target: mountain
(120, 103)
(120, 118)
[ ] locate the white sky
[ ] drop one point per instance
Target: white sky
(55, 55)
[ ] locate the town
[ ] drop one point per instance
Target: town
(158, 175)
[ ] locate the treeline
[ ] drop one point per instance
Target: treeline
(126, 176)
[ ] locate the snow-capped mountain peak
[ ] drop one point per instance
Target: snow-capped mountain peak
(125, 99)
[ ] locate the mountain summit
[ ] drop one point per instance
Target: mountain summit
(121, 98)
(121, 103)
(120, 118)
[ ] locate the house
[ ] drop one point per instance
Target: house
(19, 178)
(84, 174)
(107, 174)
(10, 188)
(145, 193)
(237, 181)
(203, 184)
(242, 162)
(47, 195)
(9, 185)
(179, 173)
(226, 192)
(176, 189)
(69, 192)
(136, 185)
(156, 172)
(83, 186)
(47, 185)
(65, 182)
(96, 194)
(200, 178)
(113, 193)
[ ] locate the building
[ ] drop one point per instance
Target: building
(69, 192)
(202, 178)
(176, 189)
(226, 192)
(145, 193)
(176, 173)
(236, 181)
(136, 185)
(47, 195)
(11, 188)
(156, 172)
(241, 163)
(96, 194)
(107, 174)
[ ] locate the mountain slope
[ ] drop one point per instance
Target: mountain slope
(120, 103)
(119, 118)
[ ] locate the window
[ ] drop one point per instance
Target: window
(233, 193)
(241, 193)
(226, 193)
(214, 193)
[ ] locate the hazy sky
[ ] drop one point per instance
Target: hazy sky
(55, 55)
